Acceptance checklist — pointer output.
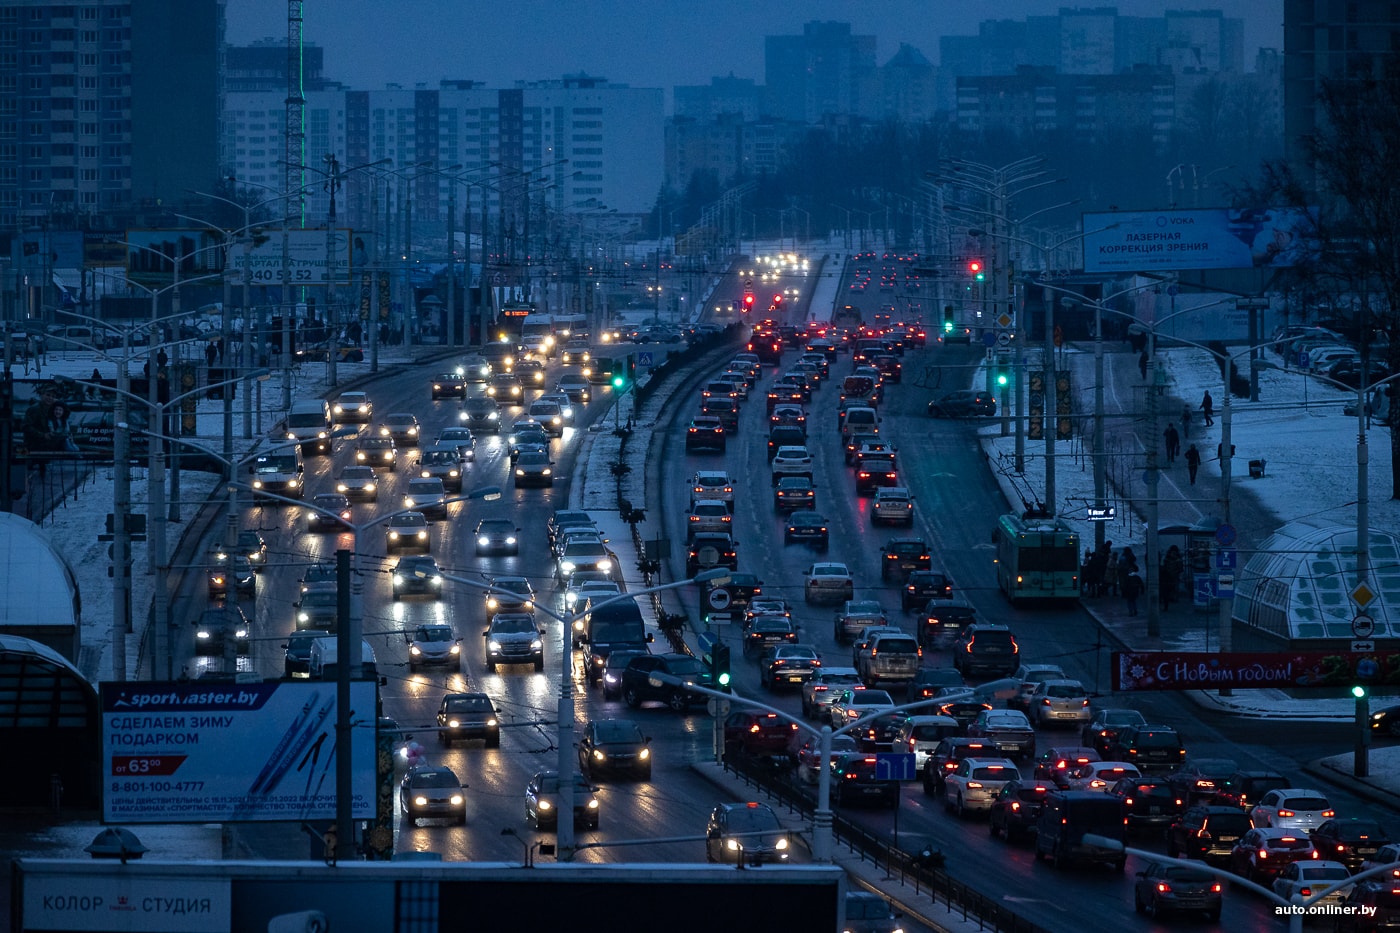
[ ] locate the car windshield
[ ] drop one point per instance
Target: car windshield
(434, 633)
(867, 908)
(1322, 873)
(319, 599)
(837, 680)
(355, 473)
(1360, 830)
(608, 632)
(435, 457)
(496, 526)
(504, 625)
(992, 773)
(686, 667)
(534, 458)
(585, 549)
(752, 819)
(418, 487)
(1158, 740)
(617, 732)
(874, 698)
(469, 705)
(408, 520)
(519, 587)
(435, 779)
(830, 572)
(1151, 790)
(1121, 717)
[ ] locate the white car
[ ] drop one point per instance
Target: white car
(791, 461)
(353, 407)
(712, 485)
(919, 736)
(428, 496)
(893, 505)
(975, 783)
(1299, 881)
(828, 581)
(1297, 808)
(1060, 701)
(708, 515)
(825, 686)
(856, 703)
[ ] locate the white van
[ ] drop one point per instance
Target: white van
(324, 655)
(859, 420)
(309, 422)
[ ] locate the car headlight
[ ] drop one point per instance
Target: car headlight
(519, 472)
(393, 536)
(257, 484)
(483, 541)
(388, 455)
(593, 803)
(605, 564)
(293, 483)
(536, 645)
(547, 471)
(457, 800)
(303, 616)
(454, 473)
(456, 649)
(291, 436)
(413, 432)
(567, 566)
(453, 723)
(341, 487)
(436, 581)
(599, 755)
(420, 801)
(369, 487)
(546, 805)
(398, 579)
(493, 645)
(408, 502)
(422, 535)
(782, 843)
(414, 650)
(201, 634)
(339, 410)
(645, 754)
(732, 845)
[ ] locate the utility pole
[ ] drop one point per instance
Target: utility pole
(121, 508)
(332, 325)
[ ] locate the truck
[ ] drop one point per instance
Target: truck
(325, 653)
(309, 423)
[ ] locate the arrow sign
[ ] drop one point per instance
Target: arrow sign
(895, 766)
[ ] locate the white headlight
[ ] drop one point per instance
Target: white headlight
(604, 565)
(483, 541)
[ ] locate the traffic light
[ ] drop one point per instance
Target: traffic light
(1359, 692)
(948, 322)
(777, 301)
(748, 301)
(1003, 377)
(974, 266)
(719, 661)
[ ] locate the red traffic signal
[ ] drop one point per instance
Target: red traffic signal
(974, 265)
(748, 300)
(777, 299)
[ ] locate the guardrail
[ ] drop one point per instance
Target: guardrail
(908, 868)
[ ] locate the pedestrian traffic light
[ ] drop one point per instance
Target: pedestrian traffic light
(948, 322)
(719, 662)
(974, 266)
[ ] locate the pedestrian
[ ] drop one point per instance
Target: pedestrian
(1208, 408)
(211, 353)
(1173, 440)
(1127, 566)
(1110, 573)
(219, 350)
(1186, 421)
(1142, 363)
(1132, 589)
(1085, 568)
(1169, 576)
(162, 359)
(1193, 462)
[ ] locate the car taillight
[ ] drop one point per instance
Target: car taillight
(1163, 888)
(1328, 814)
(1286, 813)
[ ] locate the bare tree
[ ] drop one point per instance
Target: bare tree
(1351, 161)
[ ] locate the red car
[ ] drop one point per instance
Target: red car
(757, 733)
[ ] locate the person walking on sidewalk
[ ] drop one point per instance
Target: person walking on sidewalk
(1169, 576)
(1186, 421)
(1142, 363)
(1110, 572)
(1173, 440)
(1208, 408)
(1193, 462)
(211, 353)
(1132, 589)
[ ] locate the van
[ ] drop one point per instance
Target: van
(324, 655)
(1072, 815)
(309, 422)
(617, 626)
(859, 420)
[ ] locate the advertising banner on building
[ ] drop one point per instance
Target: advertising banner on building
(197, 753)
(307, 255)
(141, 904)
(1195, 670)
(1222, 238)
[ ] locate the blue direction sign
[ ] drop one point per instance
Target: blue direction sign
(989, 338)
(895, 766)
(644, 358)
(1227, 558)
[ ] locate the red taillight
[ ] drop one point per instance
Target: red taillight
(1328, 814)
(1286, 813)
(1163, 888)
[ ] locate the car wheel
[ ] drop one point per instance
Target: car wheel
(1138, 905)
(462, 820)
(960, 811)
(493, 741)
(992, 828)
(629, 695)
(677, 703)
(1057, 857)
(539, 664)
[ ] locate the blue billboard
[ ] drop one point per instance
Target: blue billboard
(1219, 238)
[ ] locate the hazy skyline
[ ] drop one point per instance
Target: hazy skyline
(643, 45)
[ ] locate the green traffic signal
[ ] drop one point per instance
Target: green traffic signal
(724, 679)
(1358, 691)
(1001, 378)
(619, 381)
(947, 327)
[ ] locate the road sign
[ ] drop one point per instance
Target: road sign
(1105, 513)
(707, 642)
(719, 618)
(748, 283)
(1362, 646)
(1204, 590)
(1225, 585)
(1363, 595)
(1225, 534)
(1227, 558)
(989, 338)
(1003, 340)
(1363, 626)
(895, 766)
(1005, 320)
(718, 598)
(644, 358)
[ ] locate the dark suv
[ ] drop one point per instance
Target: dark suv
(1207, 832)
(903, 556)
(785, 435)
(987, 649)
(757, 733)
(1152, 747)
(468, 716)
(942, 620)
(1244, 788)
(943, 760)
(921, 586)
(1381, 903)
(1147, 801)
(637, 687)
(856, 777)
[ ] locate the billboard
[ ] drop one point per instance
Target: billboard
(68, 419)
(200, 752)
(1194, 670)
(1220, 238)
(306, 252)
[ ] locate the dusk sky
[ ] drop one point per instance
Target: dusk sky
(370, 43)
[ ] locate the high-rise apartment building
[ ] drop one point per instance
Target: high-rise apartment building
(824, 71)
(1325, 39)
(107, 108)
